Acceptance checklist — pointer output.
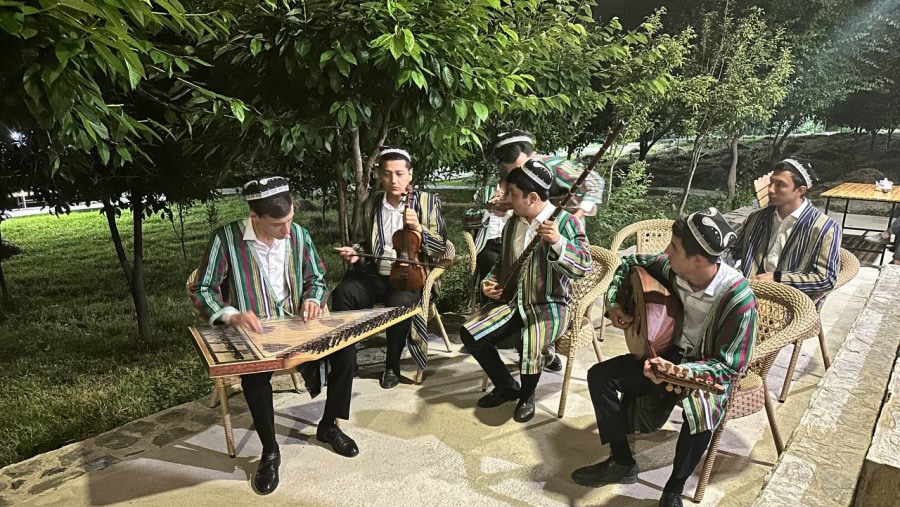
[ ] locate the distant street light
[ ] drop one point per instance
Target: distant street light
(17, 137)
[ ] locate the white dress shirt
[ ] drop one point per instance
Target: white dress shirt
(698, 306)
(781, 231)
(526, 230)
(271, 261)
(391, 222)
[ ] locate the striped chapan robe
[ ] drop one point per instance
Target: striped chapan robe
(230, 266)
(228, 258)
(544, 291)
(434, 244)
(726, 344)
(565, 174)
(810, 260)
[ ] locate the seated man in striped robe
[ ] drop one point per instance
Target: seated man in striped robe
(539, 313)
(267, 266)
(511, 150)
(790, 241)
(716, 340)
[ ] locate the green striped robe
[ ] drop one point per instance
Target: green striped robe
(231, 262)
(727, 344)
(544, 293)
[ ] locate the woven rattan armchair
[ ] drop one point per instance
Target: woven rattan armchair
(473, 268)
(429, 308)
(586, 290)
(220, 393)
(848, 271)
(785, 314)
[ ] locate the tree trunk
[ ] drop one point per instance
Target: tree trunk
(874, 133)
(3, 288)
(343, 209)
(889, 134)
(138, 294)
(361, 179)
(643, 146)
(110, 213)
(779, 142)
(732, 172)
(695, 159)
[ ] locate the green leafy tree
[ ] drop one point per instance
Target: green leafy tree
(105, 95)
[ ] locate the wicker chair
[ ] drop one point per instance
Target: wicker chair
(222, 384)
(651, 236)
(584, 292)
(472, 257)
(785, 314)
(848, 271)
(429, 308)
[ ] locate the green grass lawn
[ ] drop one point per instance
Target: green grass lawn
(71, 363)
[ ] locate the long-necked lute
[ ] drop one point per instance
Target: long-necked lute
(509, 282)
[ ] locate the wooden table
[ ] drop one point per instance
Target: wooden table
(862, 192)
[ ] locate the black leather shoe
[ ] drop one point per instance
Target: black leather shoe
(338, 440)
(524, 410)
(266, 479)
(605, 472)
(553, 365)
(669, 499)
(499, 396)
(389, 379)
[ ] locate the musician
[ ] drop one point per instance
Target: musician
(368, 282)
(511, 150)
(267, 266)
(538, 314)
(717, 336)
(790, 241)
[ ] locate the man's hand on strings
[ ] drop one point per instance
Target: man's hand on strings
(247, 321)
(491, 289)
(548, 231)
(311, 310)
(619, 318)
(348, 253)
(770, 277)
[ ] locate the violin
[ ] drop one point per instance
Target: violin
(406, 272)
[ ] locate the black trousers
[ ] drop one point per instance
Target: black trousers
(258, 393)
(485, 352)
(626, 374)
(363, 288)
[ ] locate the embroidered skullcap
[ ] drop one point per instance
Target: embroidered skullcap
(538, 172)
(390, 150)
(265, 187)
(800, 169)
(512, 137)
(711, 231)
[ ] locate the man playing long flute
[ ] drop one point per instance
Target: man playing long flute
(539, 313)
(266, 266)
(717, 337)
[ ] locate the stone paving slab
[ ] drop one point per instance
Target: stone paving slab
(826, 451)
(881, 471)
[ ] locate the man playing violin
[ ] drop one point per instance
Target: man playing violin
(511, 150)
(368, 282)
(267, 266)
(536, 316)
(716, 340)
